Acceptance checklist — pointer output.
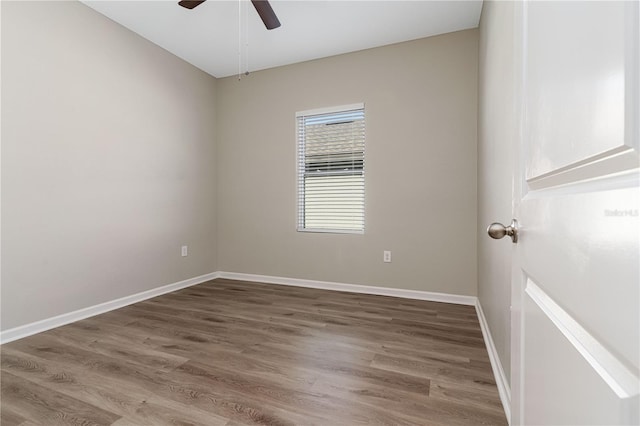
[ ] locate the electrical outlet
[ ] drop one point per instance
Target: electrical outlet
(386, 257)
(185, 251)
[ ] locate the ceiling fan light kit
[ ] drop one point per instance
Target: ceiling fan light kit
(264, 9)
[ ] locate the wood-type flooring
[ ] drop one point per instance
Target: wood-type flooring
(237, 353)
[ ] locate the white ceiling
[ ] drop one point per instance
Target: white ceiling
(207, 36)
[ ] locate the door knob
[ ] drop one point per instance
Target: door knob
(497, 230)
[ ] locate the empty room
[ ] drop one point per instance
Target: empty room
(320, 212)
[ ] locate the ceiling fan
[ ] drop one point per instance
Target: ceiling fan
(263, 8)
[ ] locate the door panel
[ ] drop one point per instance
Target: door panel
(567, 354)
(585, 256)
(575, 73)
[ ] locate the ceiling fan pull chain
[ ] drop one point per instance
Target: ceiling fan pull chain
(239, 40)
(246, 38)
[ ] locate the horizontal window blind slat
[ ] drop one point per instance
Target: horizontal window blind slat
(324, 189)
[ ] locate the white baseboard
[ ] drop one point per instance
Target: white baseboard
(504, 388)
(353, 288)
(57, 321)
(67, 318)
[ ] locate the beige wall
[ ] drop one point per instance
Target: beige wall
(108, 162)
(421, 110)
(496, 136)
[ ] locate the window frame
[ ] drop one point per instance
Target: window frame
(300, 163)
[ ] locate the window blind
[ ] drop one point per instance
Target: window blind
(331, 170)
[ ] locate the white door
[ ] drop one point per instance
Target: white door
(576, 283)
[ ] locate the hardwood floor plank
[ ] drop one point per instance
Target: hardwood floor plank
(295, 378)
(47, 406)
(452, 374)
(9, 417)
(482, 399)
(238, 353)
(115, 347)
(328, 366)
(420, 410)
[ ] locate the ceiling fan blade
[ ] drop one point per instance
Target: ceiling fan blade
(190, 4)
(266, 13)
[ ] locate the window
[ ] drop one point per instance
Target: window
(331, 170)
